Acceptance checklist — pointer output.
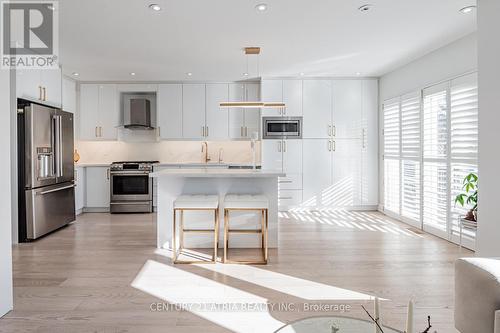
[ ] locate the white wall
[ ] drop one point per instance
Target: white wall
(488, 243)
(5, 197)
(451, 60)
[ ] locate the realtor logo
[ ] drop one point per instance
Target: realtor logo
(29, 34)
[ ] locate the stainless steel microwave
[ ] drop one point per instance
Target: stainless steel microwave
(282, 127)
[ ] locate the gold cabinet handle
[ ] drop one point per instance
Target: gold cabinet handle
(40, 93)
(334, 145)
(107, 174)
(202, 131)
(279, 146)
(329, 145)
(44, 93)
(334, 130)
(241, 131)
(329, 130)
(95, 131)
(100, 131)
(207, 131)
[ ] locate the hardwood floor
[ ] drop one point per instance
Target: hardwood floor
(103, 274)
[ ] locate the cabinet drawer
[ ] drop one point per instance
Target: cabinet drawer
(289, 198)
(292, 181)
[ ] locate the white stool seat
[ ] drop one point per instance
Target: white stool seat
(246, 201)
(197, 201)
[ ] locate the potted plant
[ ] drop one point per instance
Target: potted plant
(469, 196)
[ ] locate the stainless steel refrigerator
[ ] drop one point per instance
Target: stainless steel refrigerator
(46, 169)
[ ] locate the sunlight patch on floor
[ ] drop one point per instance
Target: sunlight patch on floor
(286, 284)
(354, 220)
(198, 294)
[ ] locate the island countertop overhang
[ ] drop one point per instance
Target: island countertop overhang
(217, 173)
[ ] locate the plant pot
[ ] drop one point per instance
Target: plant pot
(470, 216)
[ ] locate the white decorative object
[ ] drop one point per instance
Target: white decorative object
(409, 318)
(254, 137)
(376, 316)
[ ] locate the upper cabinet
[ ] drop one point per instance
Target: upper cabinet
(243, 122)
(99, 112)
(169, 111)
(347, 104)
(40, 85)
(193, 115)
(68, 95)
(292, 97)
(271, 92)
(217, 118)
(317, 99)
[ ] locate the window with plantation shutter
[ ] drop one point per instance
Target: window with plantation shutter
(392, 155)
(430, 146)
(410, 157)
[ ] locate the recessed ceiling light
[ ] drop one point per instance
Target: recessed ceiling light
(155, 7)
(467, 10)
(189, 74)
(262, 7)
(245, 74)
(358, 73)
(75, 74)
(132, 73)
(302, 74)
(365, 8)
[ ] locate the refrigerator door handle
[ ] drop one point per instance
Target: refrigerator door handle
(56, 189)
(58, 145)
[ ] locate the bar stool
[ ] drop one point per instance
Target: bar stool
(194, 203)
(246, 202)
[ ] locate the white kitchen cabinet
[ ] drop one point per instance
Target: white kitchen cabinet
(252, 116)
(79, 189)
(272, 154)
(237, 93)
(68, 95)
(193, 115)
(217, 118)
(99, 112)
(369, 145)
(347, 105)
(346, 186)
(89, 111)
(170, 111)
(97, 188)
(242, 122)
(317, 172)
(317, 101)
(292, 97)
(272, 91)
(51, 82)
(292, 165)
(43, 86)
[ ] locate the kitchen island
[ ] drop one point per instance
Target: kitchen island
(220, 181)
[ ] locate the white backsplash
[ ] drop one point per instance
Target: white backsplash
(236, 152)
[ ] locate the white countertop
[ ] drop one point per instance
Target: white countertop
(172, 165)
(217, 173)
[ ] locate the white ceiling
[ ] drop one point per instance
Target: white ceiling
(106, 40)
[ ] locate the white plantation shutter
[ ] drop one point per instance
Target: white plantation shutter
(435, 152)
(391, 129)
(392, 152)
(410, 156)
(464, 138)
(410, 126)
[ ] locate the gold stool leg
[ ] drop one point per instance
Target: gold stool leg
(216, 233)
(226, 236)
(174, 250)
(266, 236)
(181, 232)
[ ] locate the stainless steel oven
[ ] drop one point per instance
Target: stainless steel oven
(282, 127)
(131, 187)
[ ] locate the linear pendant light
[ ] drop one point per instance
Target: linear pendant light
(252, 104)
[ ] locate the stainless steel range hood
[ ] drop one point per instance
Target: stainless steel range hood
(138, 110)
